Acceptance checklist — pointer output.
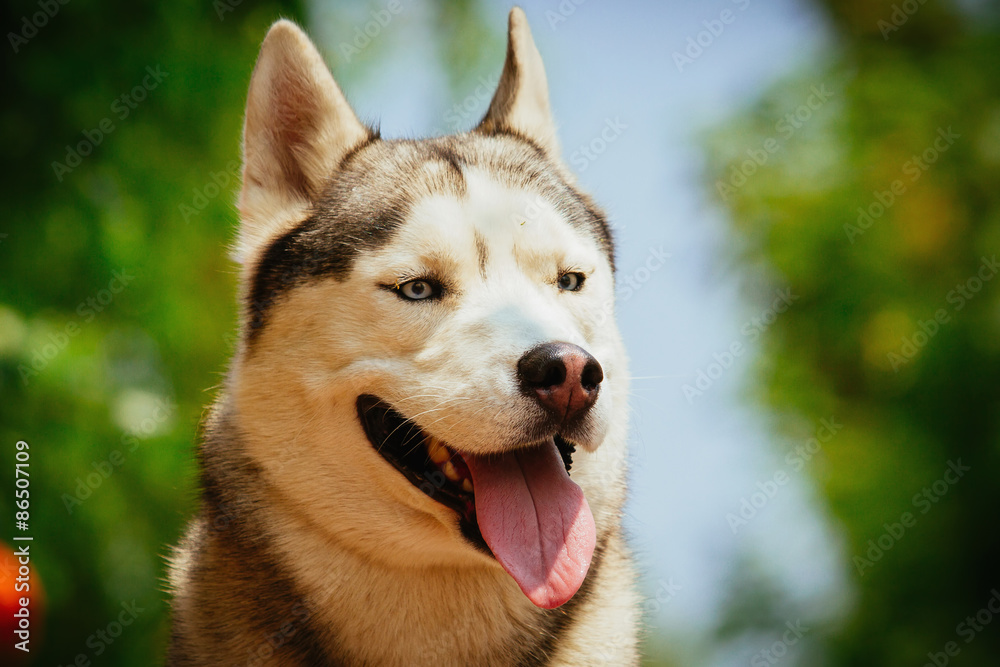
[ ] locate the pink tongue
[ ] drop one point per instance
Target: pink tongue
(536, 521)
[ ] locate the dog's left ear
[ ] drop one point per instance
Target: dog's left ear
(298, 128)
(521, 103)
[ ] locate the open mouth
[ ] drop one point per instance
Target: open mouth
(426, 462)
(430, 464)
(521, 506)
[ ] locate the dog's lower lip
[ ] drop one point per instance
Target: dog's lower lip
(402, 443)
(428, 463)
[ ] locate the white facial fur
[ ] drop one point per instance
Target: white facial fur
(447, 364)
(464, 348)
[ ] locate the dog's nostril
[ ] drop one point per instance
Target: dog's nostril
(562, 377)
(592, 375)
(553, 374)
(542, 367)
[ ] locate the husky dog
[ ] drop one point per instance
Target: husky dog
(418, 457)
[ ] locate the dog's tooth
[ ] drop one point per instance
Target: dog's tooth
(450, 472)
(437, 451)
(467, 485)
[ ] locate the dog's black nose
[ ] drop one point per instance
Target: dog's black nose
(563, 377)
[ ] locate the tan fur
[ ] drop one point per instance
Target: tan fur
(310, 548)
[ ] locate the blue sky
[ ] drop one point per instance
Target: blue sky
(695, 458)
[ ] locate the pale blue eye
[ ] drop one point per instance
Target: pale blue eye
(416, 290)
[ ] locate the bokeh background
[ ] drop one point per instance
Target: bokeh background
(806, 195)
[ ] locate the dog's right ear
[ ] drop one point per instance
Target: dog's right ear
(521, 102)
(298, 128)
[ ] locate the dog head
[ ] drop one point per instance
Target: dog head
(427, 343)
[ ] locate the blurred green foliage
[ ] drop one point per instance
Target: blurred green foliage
(877, 204)
(85, 371)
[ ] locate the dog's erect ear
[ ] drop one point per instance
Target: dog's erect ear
(298, 128)
(521, 103)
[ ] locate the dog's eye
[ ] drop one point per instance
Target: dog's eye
(571, 281)
(418, 290)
